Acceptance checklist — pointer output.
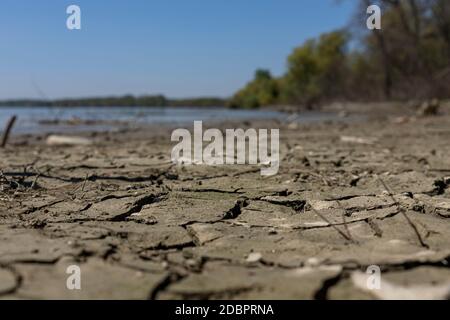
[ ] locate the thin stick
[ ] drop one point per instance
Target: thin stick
(344, 220)
(33, 185)
(402, 211)
(9, 126)
(84, 182)
(346, 237)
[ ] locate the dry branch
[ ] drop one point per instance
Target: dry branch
(7, 131)
(402, 211)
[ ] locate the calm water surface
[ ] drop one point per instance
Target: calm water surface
(55, 119)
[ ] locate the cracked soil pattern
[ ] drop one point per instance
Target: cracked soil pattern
(142, 228)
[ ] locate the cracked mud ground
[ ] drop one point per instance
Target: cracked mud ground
(142, 228)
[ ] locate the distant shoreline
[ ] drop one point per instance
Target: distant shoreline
(121, 101)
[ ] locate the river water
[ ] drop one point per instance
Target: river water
(57, 119)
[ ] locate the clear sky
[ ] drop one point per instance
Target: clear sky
(180, 48)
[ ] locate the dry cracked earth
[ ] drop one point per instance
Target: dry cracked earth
(347, 196)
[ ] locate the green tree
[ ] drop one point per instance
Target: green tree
(261, 91)
(316, 69)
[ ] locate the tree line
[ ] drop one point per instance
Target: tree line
(409, 58)
(122, 101)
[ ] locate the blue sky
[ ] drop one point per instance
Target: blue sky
(180, 48)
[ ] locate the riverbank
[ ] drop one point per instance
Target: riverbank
(348, 195)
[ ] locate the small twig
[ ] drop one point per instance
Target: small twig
(402, 211)
(83, 193)
(344, 220)
(33, 185)
(84, 182)
(7, 131)
(346, 237)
